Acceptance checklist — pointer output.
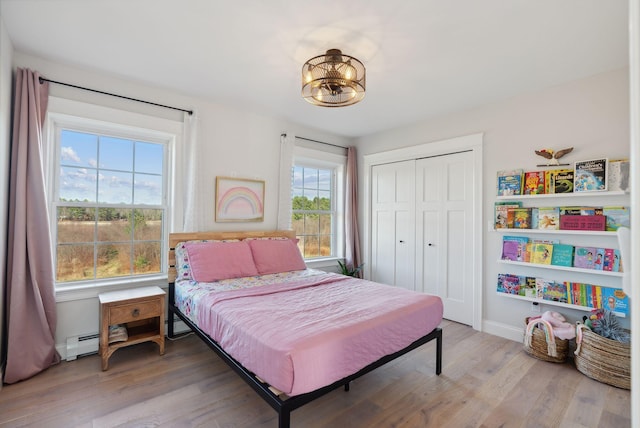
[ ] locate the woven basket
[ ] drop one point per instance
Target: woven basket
(540, 342)
(605, 360)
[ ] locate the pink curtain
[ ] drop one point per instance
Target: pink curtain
(352, 239)
(31, 305)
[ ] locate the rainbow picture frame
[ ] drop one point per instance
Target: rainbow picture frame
(239, 199)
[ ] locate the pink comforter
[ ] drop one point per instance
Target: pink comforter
(306, 334)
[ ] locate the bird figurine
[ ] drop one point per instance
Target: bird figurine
(553, 156)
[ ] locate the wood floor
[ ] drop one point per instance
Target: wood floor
(486, 381)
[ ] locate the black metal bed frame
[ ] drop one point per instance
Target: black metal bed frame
(284, 407)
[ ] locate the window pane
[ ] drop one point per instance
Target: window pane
(113, 260)
(115, 187)
(297, 223)
(311, 224)
(311, 199)
(114, 225)
(78, 149)
(116, 153)
(75, 224)
(77, 184)
(310, 178)
(325, 245)
(149, 158)
(324, 203)
(146, 258)
(325, 224)
(147, 225)
(74, 262)
(147, 189)
(297, 174)
(324, 179)
(311, 246)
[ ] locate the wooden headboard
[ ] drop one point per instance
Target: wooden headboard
(174, 238)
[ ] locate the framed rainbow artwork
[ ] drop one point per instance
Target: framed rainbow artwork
(239, 199)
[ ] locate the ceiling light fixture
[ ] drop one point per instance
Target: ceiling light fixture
(333, 80)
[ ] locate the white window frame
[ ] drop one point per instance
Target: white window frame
(311, 158)
(68, 114)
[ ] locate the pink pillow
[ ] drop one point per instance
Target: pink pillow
(276, 255)
(214, 261)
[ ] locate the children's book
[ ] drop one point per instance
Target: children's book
(528, 287)
(508, 283)
(584, 257)
(542, 253)
(598, 262)
(615, 300)
(608, 259)
(618, 175)
(517, 244)
(561, 181)
(616, 217)
(502, 213)
(590, 175)
(510, 182)
(534, 183)
(555, 291)
(521, 218)
(562, 255)
(617, 262)
(541, 285)
(549, 218)
(534, 217)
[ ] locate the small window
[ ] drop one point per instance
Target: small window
(110, 205)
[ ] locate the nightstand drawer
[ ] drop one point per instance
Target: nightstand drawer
(134, 311)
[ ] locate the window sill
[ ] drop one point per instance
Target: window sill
(326, 264)
(90, 290)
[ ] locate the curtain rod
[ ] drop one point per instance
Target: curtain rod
(316, 141)
(42, 80)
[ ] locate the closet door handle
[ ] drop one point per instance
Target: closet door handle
(401, 241)
(430, 244)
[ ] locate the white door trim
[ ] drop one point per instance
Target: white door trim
(473, 143)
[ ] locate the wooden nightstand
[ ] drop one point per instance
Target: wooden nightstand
(140, 309)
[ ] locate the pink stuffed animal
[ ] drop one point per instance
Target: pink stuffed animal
(561, 328)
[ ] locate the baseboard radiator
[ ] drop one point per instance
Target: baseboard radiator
(79, 346)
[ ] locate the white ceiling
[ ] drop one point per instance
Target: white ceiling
(423, 57)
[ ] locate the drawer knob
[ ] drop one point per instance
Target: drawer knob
(135, 312)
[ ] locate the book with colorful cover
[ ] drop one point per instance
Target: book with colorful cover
(561, 181)
(617, 262)
(528, 287)
(608, 259)
(534, 183)
(598, 262)
(541, 285)
(528, 250)
(615, 300)
(521, 218)
(616, 217)
(549, 218)
(562, 255)
(581, 210)
(519, 247)
(502, 213)
(590, 175)
(595, 300)
(542, 253)
(618, 175)
(508, 283)
(510, 182)
(555, 291)
(584, 257)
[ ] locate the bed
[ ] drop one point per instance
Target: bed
(292, 333)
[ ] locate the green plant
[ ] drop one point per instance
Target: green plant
(349, 270)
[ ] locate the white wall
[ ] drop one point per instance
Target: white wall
(232, 142)
(591, 115)
(6, 57)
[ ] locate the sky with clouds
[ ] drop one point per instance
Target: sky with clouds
(110, 170)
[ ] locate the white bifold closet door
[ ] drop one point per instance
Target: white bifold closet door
(422, 215)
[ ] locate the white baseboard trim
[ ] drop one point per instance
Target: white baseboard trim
(503, 330)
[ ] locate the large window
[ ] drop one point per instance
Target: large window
(110, 204)
(317, 206)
